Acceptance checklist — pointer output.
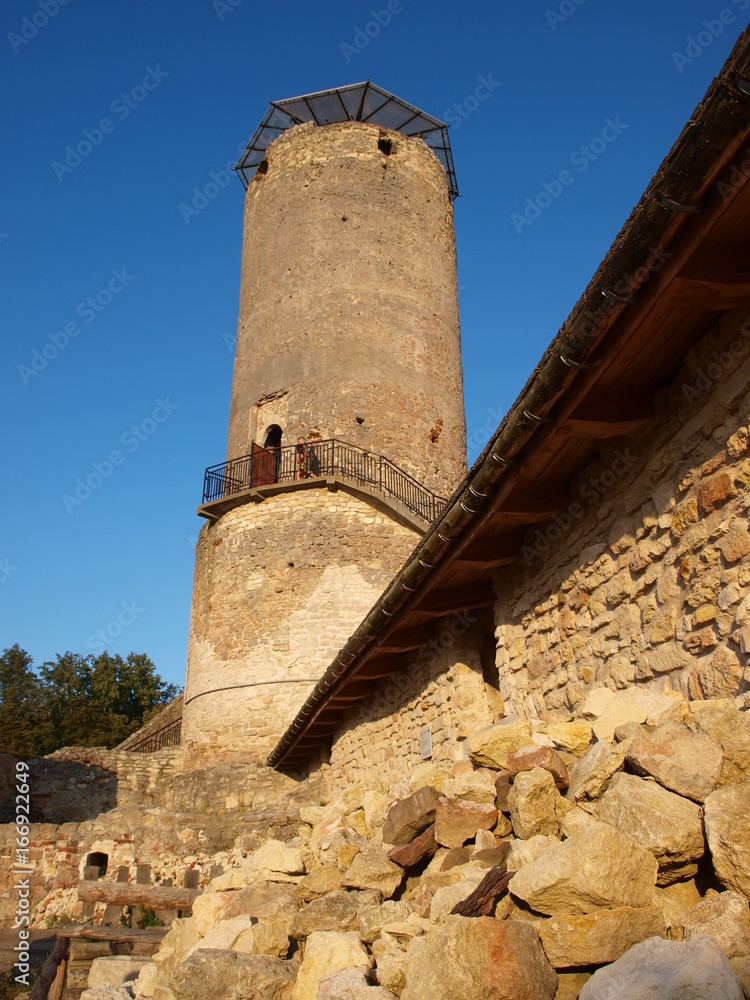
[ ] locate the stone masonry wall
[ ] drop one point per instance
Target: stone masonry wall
(279, 588)
(647, 579)
(349, 301)
(141, 809)
(77, 783)
(644, 580)
(445, 689)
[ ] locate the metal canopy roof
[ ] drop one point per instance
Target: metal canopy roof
(361, 102)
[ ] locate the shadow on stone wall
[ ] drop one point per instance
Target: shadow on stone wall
(60, 791)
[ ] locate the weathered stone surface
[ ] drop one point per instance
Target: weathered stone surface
(116, 969)
(423, 846)
(371, 869)
(147, 981)
(573, 737)
(176, 943)
(682, 761)
(446, 898)
(618, 713)
(371, 917)
(325, 879)
(727, 819)
(576, 939)
(352, 983)
(274, 906)
(596, 702)
(596, 867)
(716, 676)
(476, 786)
(473, 959)
(721, 720)
(485, 840)
(521, 852)
(715, 492)
(408, 818)
(226, 933)
(276, 856)
(391, 961)
(104, 991)
(490, 746)
(211, 907)
(666, 824)
(457, 821)
(595, 769)
(667, 970)
(457, 856)
(229, 975)
(327, 952)
(632, 730)
(532, 801)
(429, 773)
(724, 915)
(527, 758)
(336, 911)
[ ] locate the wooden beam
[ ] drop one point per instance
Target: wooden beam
(489, 553)
(354, 691)
(124, 894)
(439, 603)
(712, 295)
(89, 932)
(378, 675)
(718, 265)
(530, 506)
(49, 973)
(607, 418)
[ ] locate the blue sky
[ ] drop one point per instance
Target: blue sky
(119, 313)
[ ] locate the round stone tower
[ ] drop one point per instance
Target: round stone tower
(349, 339)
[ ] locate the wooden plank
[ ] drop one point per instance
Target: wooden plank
(89, 932)
(489, 554)
(721, 265)
(481, 902)
(142, 874)
(58, 983)
(529, 506)
(191, 878)
(122, 894)
(40, 989)
(439, 603)
(608, 417)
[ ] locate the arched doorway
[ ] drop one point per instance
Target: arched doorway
(273, 437)
(267, 459)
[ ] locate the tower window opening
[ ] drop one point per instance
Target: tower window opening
(263, 166)
(386, 146)
(98, 859)
(273, 437)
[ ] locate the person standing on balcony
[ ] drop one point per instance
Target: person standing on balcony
(313, 459)
(301, 469)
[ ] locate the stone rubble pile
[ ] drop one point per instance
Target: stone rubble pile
(628, 833)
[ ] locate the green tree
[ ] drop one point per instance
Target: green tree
(20, 704)
(76, 700)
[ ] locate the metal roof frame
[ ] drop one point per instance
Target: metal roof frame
(364, 102)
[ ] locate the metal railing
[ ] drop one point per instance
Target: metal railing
(170, 736)
(264, 466)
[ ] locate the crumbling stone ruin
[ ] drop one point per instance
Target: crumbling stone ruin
(444, 734)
